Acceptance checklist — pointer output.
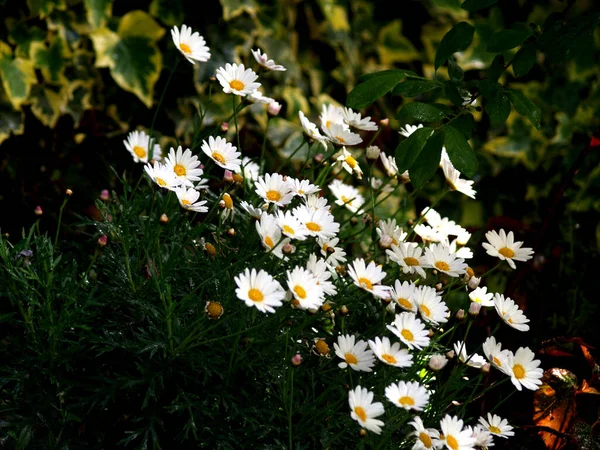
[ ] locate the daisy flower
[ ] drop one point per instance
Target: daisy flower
(510, 313)
(270, 235)
(364, 411)
(483, 438)
(305, 288)
(390, 233)
(504, 247)
(260, 98)
(331, 114)
(319, 223)
(431, 306)
(460, 252)
(357, 356)
(252, 211)
(238, 80)
(248, 169)
(390, 354)
(320, 270)
(290, 225)
(389, 164)
(474, 360)
(410, 330)
(137, 144)
(429, 234)
(494, 353)
(523, 370)
(453, 437)
(259, 289)
(188, 199)
(354, 120)
(338, 135)
(311, 130)
(438, 256)
(454, 181)
(349, 163)
(184, 165)
(368, 277)
(191, 45)
(497, 426)
(315, 202)
(409, 257)
(427, 438)
(265, 62)
(302, 188)
(409, 129)
(273, 189)
(222, 153)
(346, 195)
(408, 395)
(334, 255)
(403, 294)
(481, 295)
(163, 176)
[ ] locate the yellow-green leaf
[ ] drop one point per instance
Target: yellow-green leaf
(295, 101)
(22, 35)
(42, 8)
(50, 59)
(47, 104)
(233, 8)
(98, 12)
(18, 76)
(11, 121)
(393, 47)
(335, 15)
(140, 24)
(167, 11)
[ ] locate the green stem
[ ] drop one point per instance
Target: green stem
(60, 213)
(264, 145)
(289, 158)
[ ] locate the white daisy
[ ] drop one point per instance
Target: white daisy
(429, 234)
(191, 45)
(364, 411)
(137, 144)
(252, 211)
(265, 62)
(403, 294)
(349, 163)
(305, 288)
(474, 360)
(258, 97)
(408, 395)
(315, 202)
(409, 257)
(504, 247)
(391, 354)
(494, 353)
(290, 225)
(270, 235)
(319, 223)
(184, 165)
(523, 370)
(431, 306)
(354, 120)
(390, 233)
(453, 437)
(497, 426)
(163, 176)
(438, 256)
(236, 79)
(188, 199)
(483, 438)
(331, 114)
(320, 270)
(259, 289)
(302, 188)
(357, 356)
(338, 135)
(274, 189)
(455, 182)
(460, 252)
(409, 129)
(427, 438)
(410, 330)
(389, 164)
(346, 195)
(334, 255)
(369, 277)
(510, 313)
(311, 130)
(222, 152)
(481, 295)
(226, 203)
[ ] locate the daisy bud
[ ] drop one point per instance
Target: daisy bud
(460, 314)
(231, 232)
(386, 241)
(450, 354)
(214, 310)
(102, 240)
(362, 432)
(321, 347)
(430, 333)
(274, 108)
(470, 272)
(325, 307)
(224, 127)
(210, 249)
(38, 211)
(237, 178)
(341, 270)
(486, 368)
(354, 220)
(297, 359)
(386, 300)
(439, 287)
(69, 192)
(437, 362)
(228, 176)
(373, 152)
(344, 310)
(163, 218)
(104, 195)
(474, 308)
(384, 122)
(474, 282)
(295, 303)
(212, 78)
(318, 157)
(287, 249)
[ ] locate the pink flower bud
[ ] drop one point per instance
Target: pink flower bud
(297, 359)
(474, 308)
(104, 194)
(274, 108)
(102, 240)
(224, 127)
(38, 211)
(437, 362)
(228, 176)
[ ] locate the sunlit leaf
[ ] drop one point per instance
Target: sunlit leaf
(23, 36)
(335, 15)
(295, 101)
(42, 8)
(393, 46)
(17, 74)
(50, 59)
(98, 12)
(233, 8)
(47, 104)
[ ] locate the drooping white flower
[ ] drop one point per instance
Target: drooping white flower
(188, 199)
(265, 62)
(346, 195)
(191, 45)
(349, 163)
(354, 120)
(494, 353)
(497, 426)
(510, 312)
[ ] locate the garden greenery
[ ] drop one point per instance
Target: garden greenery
(274, 274)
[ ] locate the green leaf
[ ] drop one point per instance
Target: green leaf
(18, 76)
(498, 108)
(476, 5)
(51, 59)
(11, 121)
(401, 73)
(496, 68)
(465, 124)
(504, 40)
(393, 47)
(428, 162)
(489, 88)
(455, 40)
(233, 8)
(98, 12)
(455, 72)
(525, 107)
(423, 112)
(169, 12)
(452, 93)
(460, 152)
(412, 87)
(375, 87)
(408, 150)
(524, 60)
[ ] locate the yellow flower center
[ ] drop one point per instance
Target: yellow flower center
(300, 292)
(495, 430)
(180, 170)
(406, 334)
(273, 195)
(218, 157)
(228, 201)
(410, 261)
(442, 265)
(362, 415)
(350, 358)
(139, 151)
(255, 295)
(406, 401)
(288, 229)
(519, 371)
(506, 252)
(389, 358)
(185, 48)
(366, 283)
(452, 442)
(425, 310)
(351, 162)
(497, 361)
(214, 310)
(186, 202)
(161, 182)
(236, 85)
(269, 242)
(312, 226)
(340, 139)
(346, 200)
(425, 439)
(322, 347)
